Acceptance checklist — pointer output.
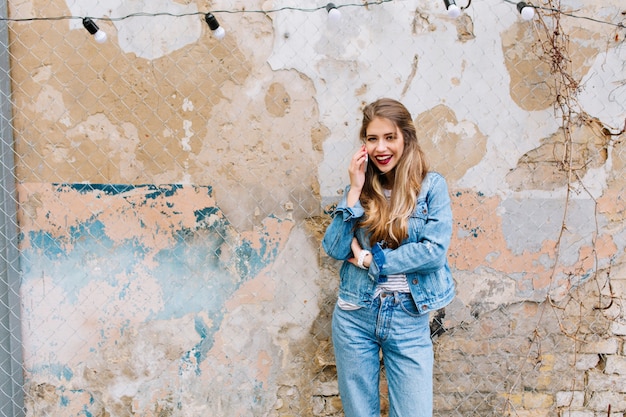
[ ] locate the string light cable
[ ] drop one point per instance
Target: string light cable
(209, 17)
(331, 8)
(521, 6)
(326, 6)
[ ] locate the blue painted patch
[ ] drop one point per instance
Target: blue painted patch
(165, 190)
(205, 213)
(108, 189)
(199, 272)
(86, 412)
(199, 352)
(93, 229)
(49, 245)
(59, 371)
(85, 254)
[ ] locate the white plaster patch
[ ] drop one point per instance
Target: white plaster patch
(594, 182)
(42, 74)
(463, 128)
(345, 65)
(187, 124)
(485, 290)
(65, 121)
(149, 37)
(22, 9)
(188, 105)
(49, 104)
(58, 316)
(187, 180)
(97, 127)
(121, 141)
(604, 88)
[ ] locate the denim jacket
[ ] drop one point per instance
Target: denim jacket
(422, 256)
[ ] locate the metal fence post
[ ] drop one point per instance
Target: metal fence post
(11, 382)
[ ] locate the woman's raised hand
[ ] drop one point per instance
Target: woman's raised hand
(356, 170)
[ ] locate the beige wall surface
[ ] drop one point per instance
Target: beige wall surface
(173, 189)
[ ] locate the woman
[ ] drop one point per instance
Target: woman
(392, 229)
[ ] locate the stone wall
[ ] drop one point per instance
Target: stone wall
(173, 189)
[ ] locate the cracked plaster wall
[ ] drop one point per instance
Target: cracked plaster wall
(170, 187)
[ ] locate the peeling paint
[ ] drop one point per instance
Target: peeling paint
(171, 190)
(111, 264)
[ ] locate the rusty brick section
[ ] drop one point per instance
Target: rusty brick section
(563, 359)
(543, 363)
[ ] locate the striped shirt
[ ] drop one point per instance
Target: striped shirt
(394, 283)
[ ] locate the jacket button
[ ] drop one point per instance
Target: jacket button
(415, 281)
(425, 307)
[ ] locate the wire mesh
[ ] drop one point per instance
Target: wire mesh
(165, 194)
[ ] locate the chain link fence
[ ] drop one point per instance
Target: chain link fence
(165, 193)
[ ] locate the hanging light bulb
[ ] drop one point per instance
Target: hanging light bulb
(93, 29)
(214, 25)
(527, 11)
(454, 11)
(334, 15)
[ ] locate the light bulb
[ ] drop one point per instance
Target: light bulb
(94, 30)
(214, 25)
(100, 36)
(334, 15)
(527, 11)
(454, 11)
(219, 33)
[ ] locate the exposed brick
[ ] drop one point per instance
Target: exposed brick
(587, 361)
(530, 400)
(570, 399)
(600, 401)
(598, 381)
(618, 328)
(318, 404)
(452, 404)
(569, 413)
(532, 413)
(326, 389)
(537, 400)
(552, 373)
(615, 365)
(597, 345)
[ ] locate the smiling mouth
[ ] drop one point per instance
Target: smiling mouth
(383, 160)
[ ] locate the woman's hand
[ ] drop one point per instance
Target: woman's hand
(356, 170)
(356, 251)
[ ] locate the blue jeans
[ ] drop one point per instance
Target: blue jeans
(392, 324)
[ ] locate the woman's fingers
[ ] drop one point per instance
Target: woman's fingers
(356, 247)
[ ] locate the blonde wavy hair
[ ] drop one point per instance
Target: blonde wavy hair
(388, 220)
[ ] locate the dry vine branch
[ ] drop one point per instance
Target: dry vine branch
(554, 51)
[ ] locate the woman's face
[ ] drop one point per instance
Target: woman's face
(384, 144)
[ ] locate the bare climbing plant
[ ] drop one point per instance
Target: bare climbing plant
(571, 309)
(555, 51)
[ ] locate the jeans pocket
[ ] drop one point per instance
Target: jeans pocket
(408, 306)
